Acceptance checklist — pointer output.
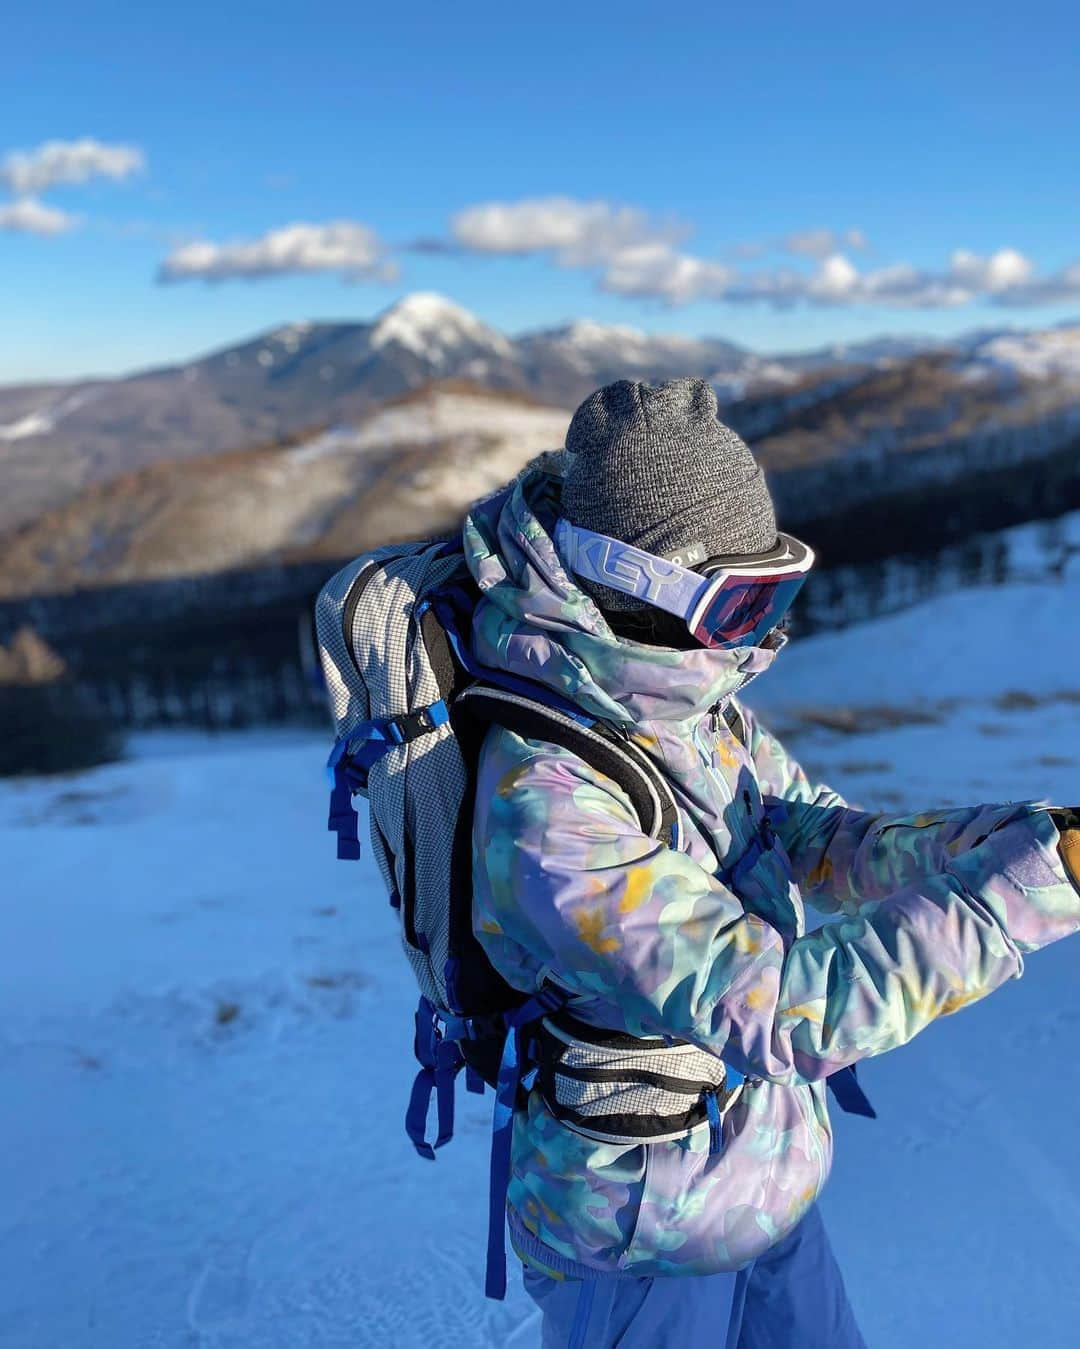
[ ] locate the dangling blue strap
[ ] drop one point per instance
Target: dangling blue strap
(343, 819)
(716, 1123)
(448, 1061)
(850, 1096)
(416, 1113)
(502, 1126)
(440, 1061)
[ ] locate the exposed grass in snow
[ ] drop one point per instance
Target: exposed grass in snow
(205, 1032)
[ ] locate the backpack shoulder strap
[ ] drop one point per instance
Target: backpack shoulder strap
(599, 744)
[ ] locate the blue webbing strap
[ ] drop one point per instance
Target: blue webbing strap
(347, 769)
(343, 819)
(733, 1079)
(716, 1123)
(502, 1124)
(440, 1060)
(850, 1097)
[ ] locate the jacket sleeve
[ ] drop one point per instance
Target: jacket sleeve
(842, 857)
(566, 881)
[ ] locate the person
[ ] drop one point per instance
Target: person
(647, 585)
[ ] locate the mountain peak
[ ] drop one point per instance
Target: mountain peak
(429, 324)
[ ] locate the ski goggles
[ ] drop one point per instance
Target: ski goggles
(725, 601)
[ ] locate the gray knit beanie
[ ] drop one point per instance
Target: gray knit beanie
(655, 468)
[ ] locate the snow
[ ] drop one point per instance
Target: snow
(1051, 354)
(206, 1028)
(430, 325)
(37, 423)
(517, 430)
(586, 343)
(585, 332)
(44, 420)
(205, 1031)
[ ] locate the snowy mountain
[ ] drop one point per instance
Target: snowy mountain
(1050, 355)
(591, 354)
(209, 1063)
(437, 331)
(58, 439)
(408, 468)
(98, 447)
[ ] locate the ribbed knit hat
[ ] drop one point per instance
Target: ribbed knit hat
(653, 466)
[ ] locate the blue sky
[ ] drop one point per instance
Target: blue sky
(781, 176)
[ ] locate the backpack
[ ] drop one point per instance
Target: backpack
(410, 707)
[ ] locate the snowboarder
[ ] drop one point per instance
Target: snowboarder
(648, 586)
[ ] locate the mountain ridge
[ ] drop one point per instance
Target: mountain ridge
(59, 441)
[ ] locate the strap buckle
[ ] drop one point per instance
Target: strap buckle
(409, 725)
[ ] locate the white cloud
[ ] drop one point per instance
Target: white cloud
(997, 273)
(28, 216)
(577, 233)
(26, 172)
(343, 246)
(655, 270)
(834, 281)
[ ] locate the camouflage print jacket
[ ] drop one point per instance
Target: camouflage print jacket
(932, 911)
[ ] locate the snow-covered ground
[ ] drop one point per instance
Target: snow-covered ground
(1053, 353)
(205, 1040)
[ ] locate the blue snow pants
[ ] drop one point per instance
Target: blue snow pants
(792, 1297)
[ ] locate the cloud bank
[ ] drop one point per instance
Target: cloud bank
(642, 256)
(29, 172)
(342, 246)
(575, 233)
(639, 256)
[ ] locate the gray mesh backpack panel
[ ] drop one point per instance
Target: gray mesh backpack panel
(377, 666)
(379, 654)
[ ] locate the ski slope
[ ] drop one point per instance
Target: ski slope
(205, 1040)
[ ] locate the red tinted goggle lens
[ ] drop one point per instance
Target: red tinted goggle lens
(743, 611)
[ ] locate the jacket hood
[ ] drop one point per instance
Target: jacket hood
(536, 622)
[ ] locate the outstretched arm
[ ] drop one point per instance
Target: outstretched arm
(565, 881)
(841, 857)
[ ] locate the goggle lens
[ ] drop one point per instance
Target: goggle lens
(742, 612)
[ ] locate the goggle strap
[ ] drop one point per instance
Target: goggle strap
(631, 571)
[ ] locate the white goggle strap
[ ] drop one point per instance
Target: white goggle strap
(632, 571)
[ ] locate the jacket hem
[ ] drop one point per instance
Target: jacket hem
(541, 1257)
